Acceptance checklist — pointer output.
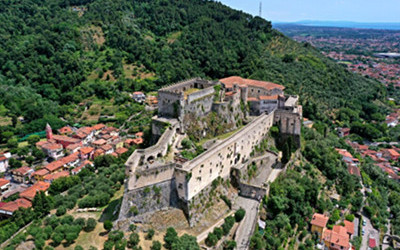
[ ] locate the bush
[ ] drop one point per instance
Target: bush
(239, 215)
(218, 232)
(228, 224)
(156, 245)
(133, 240)
(90, 225)
(229, 245)
(350, 217)
(108, 225)
(211, 240)
(78, 248)
(170, 237)
(150, 234)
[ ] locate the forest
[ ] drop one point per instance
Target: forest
(55, 54)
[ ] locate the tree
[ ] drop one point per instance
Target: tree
(229, 245)
(150, 234)
(218, 232)
(133, 240)
(57, 238)
(185, 242)
(156, 245)
(211, 240)
(170, 237)
(90, 225)
(350, 217)
(41, 204)
(107, 225)
(32, 139)
(12, 143)
(14, 163)
(78, 247)
(61, 211)
(239, 214)
(6, 135)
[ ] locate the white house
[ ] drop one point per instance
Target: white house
(3, 163)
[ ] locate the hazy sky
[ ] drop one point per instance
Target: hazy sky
(322, 10)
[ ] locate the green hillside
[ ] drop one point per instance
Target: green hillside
(56, 53)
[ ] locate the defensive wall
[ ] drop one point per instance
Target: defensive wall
(197, 174)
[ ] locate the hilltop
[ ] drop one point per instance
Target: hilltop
(56, 54)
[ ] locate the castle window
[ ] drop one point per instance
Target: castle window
(180, 186)
(210, 171)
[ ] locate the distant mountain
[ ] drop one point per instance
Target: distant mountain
(345, 24)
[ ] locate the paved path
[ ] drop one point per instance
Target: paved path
(246, 227)
(265, 172)
(369, 230)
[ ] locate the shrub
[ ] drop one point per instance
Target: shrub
(108, 225)
(239, 214)
(350, 217)
(78, 247)
(218, 232)
(61, 211)
(156, 245)
(133, 240)
(170, 237)
(90, 225)
(150, 234)
(228, 224)
(229, 245)
(211, 240)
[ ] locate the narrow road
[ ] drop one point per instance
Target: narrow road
(370, 231)
(246, 227)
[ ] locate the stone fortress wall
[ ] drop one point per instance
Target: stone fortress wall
(218, 160)
(188, 182)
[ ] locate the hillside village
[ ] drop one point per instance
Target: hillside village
(68, 152)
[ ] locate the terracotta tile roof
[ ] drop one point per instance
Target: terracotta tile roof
(139, 134)
(269, 97)
(85, 130)
(73, 146)
(30, 192)
(39, 144)
(14, 205)
(70, 158)
(393, 153)
(40, 172)
(86, 150)
(55, 176)
(252, 99)
(106, 136)
(114, 154)
(372, 243)
(120, 151)
(66, 139)
(3, 182)
(344, 152)
(349, 226)
(354, 170)
(80, 135)
(54, 166)
(65, 130)
(52, 146)
(99, 126)
(106, 147)
(138, 93)
(230, 81)
(99, 142)
(22, 170)
(319, 220)
(98, 152)
(138, 141)
(337, 236)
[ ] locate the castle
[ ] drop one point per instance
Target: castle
(178, 182)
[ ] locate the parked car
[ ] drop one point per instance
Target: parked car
(364, 222)
(363, 232)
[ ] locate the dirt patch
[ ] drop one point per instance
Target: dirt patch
(133, 72)
(92, 35)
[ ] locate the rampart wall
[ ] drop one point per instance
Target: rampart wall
(218, 160)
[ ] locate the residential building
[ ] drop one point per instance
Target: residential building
(343, 132)
(3, 163)
(22, 174)
(39, 175)
(138, 96)
(31, 192)
(318, 223)
(53, 150)
(86, 153)
(51, 177)
(337, 238)
(7, 209)
(4, 185)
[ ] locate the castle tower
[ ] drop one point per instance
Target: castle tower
(49, 132)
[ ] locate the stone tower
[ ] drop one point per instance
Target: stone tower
(49, 132)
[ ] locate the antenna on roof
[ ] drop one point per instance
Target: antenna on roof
(260, 10)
